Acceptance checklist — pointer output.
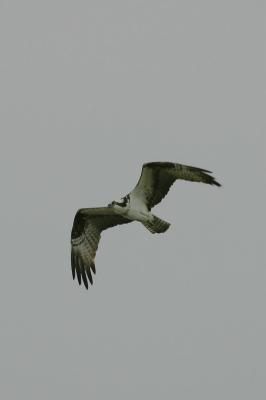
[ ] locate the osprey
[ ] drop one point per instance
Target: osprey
(153, 185)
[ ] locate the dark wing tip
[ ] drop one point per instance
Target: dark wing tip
(73, 265)
(93, 268)
(78, 276)
(81, 270)
(88, 271)
(73, 272)
(208, 178)
(211, 181)
(216, 183)
(84, 277)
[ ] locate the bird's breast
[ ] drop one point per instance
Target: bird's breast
(137, 215)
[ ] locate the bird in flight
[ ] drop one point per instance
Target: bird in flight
(153, 185)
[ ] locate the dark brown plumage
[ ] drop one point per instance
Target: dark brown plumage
(85, 236)
(157, 178)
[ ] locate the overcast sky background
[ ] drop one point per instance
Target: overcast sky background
(90, 90)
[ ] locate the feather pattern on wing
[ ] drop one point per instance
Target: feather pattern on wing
(157, 178)
(85, 236)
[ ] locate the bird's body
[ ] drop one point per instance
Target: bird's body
(135, 210)
(153, 185)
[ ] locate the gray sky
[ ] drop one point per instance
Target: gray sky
(89, 91)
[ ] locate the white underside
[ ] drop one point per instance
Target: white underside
(133, 214)
(137, 215)
(136, 210)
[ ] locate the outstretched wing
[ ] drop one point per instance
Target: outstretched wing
(157, 178)
(85, 236)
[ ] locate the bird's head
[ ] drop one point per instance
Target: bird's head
(119, 204)
(110, 205)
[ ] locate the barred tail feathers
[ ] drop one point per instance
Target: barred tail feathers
(157, 225)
